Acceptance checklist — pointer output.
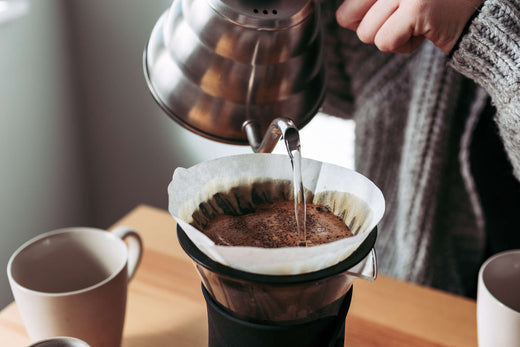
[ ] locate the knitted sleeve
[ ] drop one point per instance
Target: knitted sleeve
(489, 53)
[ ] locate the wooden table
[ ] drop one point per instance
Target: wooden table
(166, 307)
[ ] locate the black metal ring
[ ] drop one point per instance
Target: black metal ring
(199, 257)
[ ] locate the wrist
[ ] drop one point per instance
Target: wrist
(466, 28)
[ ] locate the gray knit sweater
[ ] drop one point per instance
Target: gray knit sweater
(414, 119)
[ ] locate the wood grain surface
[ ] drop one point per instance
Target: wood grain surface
(166, 308)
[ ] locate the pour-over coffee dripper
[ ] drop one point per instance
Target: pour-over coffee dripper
(255, 310)
(294, 296)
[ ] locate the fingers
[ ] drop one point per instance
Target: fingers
(401, 25)
(385, 23)
(376, 16)
(397, 33)
(351, 12)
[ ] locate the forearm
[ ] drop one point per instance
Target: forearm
(489, 53)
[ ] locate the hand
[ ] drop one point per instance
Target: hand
(401, 25)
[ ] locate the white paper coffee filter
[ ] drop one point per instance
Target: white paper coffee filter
(197, 184)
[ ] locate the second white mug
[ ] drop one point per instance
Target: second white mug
(498, 300)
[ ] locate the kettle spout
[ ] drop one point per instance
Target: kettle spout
(367, 268)
(280, 127)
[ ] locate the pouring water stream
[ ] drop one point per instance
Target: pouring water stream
(292, 143)
(284, 128)
(279, 127)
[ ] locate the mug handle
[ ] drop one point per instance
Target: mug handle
(135, 247)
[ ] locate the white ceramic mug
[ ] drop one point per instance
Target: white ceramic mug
(73, 282)
(498, 300)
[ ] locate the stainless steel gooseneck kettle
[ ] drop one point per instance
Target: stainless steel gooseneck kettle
(238, 71)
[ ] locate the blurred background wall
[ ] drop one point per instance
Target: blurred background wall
(82, 142)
